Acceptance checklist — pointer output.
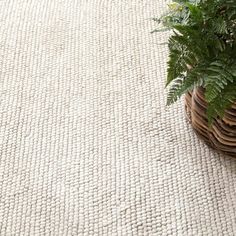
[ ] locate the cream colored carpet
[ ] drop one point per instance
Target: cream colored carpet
(87, 144)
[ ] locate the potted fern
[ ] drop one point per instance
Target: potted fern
(202, 65)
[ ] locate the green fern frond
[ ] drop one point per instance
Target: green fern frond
(202, 51)
(181, 86)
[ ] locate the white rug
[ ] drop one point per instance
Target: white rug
(87, 146)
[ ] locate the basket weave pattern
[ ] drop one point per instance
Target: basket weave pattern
(222, 134)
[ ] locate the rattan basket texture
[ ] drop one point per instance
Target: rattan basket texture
(222, 134)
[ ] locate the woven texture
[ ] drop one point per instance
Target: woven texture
(221, 135)
(87, 144)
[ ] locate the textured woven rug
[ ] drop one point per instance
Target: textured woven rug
(87, 146)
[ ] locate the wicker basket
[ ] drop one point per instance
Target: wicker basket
(222, 134)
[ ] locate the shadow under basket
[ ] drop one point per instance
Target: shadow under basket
(222, 135)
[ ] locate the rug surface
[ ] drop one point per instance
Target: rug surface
(87, 145)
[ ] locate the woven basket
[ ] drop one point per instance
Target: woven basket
(222, 134)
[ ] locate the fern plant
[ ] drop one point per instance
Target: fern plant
(202, 51)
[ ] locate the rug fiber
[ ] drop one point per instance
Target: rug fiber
(87, 145)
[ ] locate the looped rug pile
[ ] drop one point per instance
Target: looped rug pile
(87, 146)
